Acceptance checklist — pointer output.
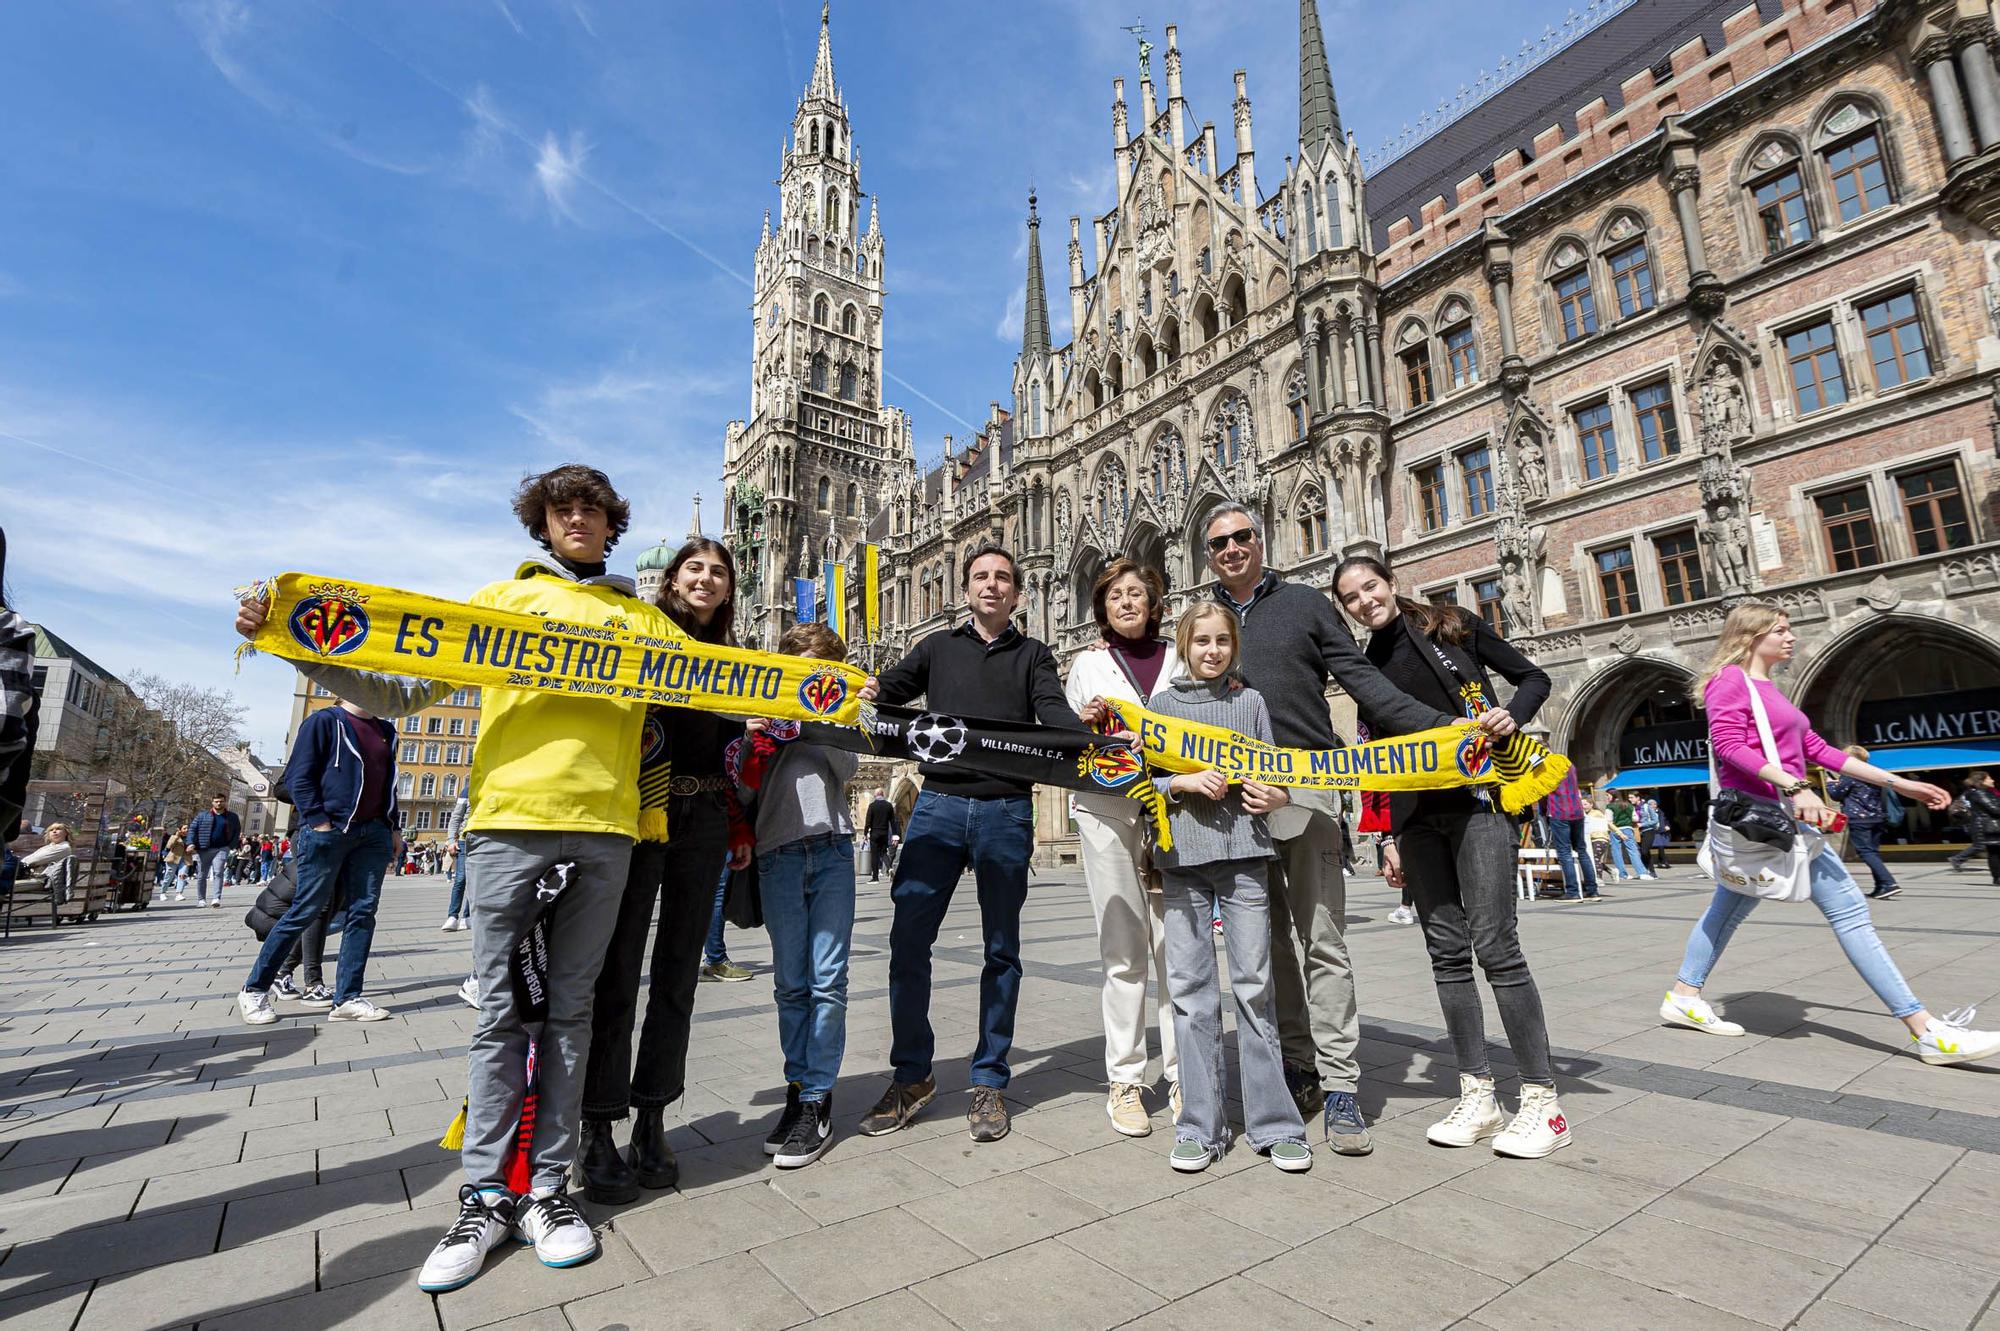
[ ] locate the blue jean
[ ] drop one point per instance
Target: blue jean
(266, 865)
(334, 867)
(808, 894)
(1840, 900)
(1866, 838)
(457, 904)
(1625, 852)
(945, 835)
(1573, 848)
(715, 951)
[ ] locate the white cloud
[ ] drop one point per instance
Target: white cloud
(557, 169)
(1009, 327)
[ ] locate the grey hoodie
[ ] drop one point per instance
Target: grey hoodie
(1207, 831)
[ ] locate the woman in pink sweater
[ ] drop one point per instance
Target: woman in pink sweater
(1756, 639)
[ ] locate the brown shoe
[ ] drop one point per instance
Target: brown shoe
(988, 1115)
(897, 1107)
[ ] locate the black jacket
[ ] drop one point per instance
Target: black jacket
(959, 673)
(1411, 663)
(881, 823)
(1984, 808)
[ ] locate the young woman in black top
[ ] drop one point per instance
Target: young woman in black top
(1456, 851)
(699, 595)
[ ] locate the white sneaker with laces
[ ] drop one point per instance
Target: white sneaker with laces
(450, 925)
(358, 1009)
(1126, 1104)
(255, 1007)
(1538, 1129)
(468, 993)
(562, 1237)
(1695, 1013)
(1474, 1119)
(1402, 915)
(1950, 1040)
(484, 1218)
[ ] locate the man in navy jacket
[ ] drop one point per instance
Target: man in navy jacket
(211, 836)
(342, 780)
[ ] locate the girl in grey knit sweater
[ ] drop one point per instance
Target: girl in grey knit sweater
(1221, 854)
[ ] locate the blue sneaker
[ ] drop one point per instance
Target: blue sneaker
(1346, 1130)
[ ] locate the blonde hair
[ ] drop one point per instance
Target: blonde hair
(1747, 622)
(1856, 751)
(54, 828)
(1196, 614)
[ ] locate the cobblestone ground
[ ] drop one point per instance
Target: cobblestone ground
(162, 1165)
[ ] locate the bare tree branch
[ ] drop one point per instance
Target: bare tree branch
(162, 739)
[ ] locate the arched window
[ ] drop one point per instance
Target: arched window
(433, 752)
(853, 506)
(820, 308)
(823, 496)
(1170, 342)
(850, 319)
(861, 265)
(833, 211)
(1168, 470)
(1628, 264)
(1229, 430)
(450, 790)
(812, 249)
(1569, 286)
(815, 137)
(1296, 405)
(1233, 303)
(1034, 408)
(1312, 224)
(1114, 376)
(818, 379)
(1094, 386)
(1849, 143)
(1413, 352)
(1112, 498)
(1332, 213)
(1777, 187)
(1312, 525)
(406, 782)
(847, 380)
(1461, 351)
(427, 786)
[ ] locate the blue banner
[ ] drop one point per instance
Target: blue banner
(802, 588)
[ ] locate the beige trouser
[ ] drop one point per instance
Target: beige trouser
(1131, 939)
(1318, 1022)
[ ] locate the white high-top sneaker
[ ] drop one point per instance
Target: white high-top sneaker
(1538, 1129)
(1949, 1039)
(1695, 1013)
(1475, 1118)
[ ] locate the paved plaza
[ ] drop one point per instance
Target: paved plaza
(162, 1165)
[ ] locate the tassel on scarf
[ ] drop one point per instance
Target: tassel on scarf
(454, 1136)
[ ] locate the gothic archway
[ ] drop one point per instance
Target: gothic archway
(1888, 657)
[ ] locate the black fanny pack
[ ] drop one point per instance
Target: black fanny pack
(1766, 821)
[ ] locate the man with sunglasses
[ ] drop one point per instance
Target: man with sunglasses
(1293, 641)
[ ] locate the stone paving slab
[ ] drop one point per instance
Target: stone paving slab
(163, 1166)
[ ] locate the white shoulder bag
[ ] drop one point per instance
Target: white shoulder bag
(1752, 867)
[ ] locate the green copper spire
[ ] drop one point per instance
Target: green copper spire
(1035, 318)
(1319, 116)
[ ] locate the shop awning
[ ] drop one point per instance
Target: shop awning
(1927, 757)
(1646, 778)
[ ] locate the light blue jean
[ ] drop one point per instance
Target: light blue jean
(807, 888)
(1839, 899)
(1625, 852)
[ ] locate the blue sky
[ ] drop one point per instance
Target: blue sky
(309, 285)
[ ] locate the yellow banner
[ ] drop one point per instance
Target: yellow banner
(871, 559)
(1452, 756)
(405, 633)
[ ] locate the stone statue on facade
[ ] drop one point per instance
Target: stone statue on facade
(1531, 468)
(1522, 550)
(1725, 409)
(1727, 536)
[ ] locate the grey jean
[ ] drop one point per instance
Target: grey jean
(501, 869)
(1460, 868)
(1312, 978)
(1192, 893)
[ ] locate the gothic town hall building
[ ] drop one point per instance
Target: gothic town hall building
(1729, 326)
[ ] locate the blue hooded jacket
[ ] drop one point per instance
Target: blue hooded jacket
(323, 775)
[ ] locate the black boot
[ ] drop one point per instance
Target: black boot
(652, 1159)
(607, 1179)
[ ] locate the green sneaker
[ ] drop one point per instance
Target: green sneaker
(1192, 1157)
(726, 971)
(1292, 1157)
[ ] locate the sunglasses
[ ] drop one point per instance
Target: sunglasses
(1241, 536)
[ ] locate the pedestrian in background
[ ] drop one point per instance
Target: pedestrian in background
(1563, 809)
(1871, 811)
(212, 834)
(1978, 830)
(882, 829)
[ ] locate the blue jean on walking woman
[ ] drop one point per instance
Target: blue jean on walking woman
(807, 889)
(1839, 898)
(1625, 852)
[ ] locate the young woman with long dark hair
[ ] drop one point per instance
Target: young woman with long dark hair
(1456, 850)
(1756, 638)
(699, 595)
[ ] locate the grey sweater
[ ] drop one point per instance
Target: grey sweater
(804, 794)
(1205, 830)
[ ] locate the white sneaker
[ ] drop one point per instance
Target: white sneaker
(1474, 1119)
(1538, 1129)
(484, 1218)
(550, 1221)
(217, 903)
(180, 896)
(468, 993)
(1402, 915)
(1949, 1040)
(1695, 1012)
(450, 924)
(358, 1009)
(255, 1005)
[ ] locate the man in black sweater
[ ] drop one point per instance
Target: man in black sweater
(986, 668)
(881, 830)
(1293, 642)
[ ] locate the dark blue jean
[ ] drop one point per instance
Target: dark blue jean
(714, 952)
(333, 867)
(945, 835)
(457, 904)
(1866, 838)
(1573, 848)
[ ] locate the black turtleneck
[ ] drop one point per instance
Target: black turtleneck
(578, 569)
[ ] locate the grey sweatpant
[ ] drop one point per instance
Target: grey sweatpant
(1312, 978)
(1192, 894)
(501, 869)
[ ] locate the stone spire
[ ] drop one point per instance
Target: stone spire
(1035, 316)
(1319, 117)
(822, 79)
(694, 524)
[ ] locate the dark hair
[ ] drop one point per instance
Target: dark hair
(979, 552)
(222, 795)
(1978, 778)
(721, 629)
(1156, 592)
(570, 483)
(812, 640)
(1451, 623)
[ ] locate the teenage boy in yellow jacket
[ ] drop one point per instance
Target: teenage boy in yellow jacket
(554, 779)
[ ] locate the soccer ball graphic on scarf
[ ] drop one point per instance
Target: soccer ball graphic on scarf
(934, 738)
